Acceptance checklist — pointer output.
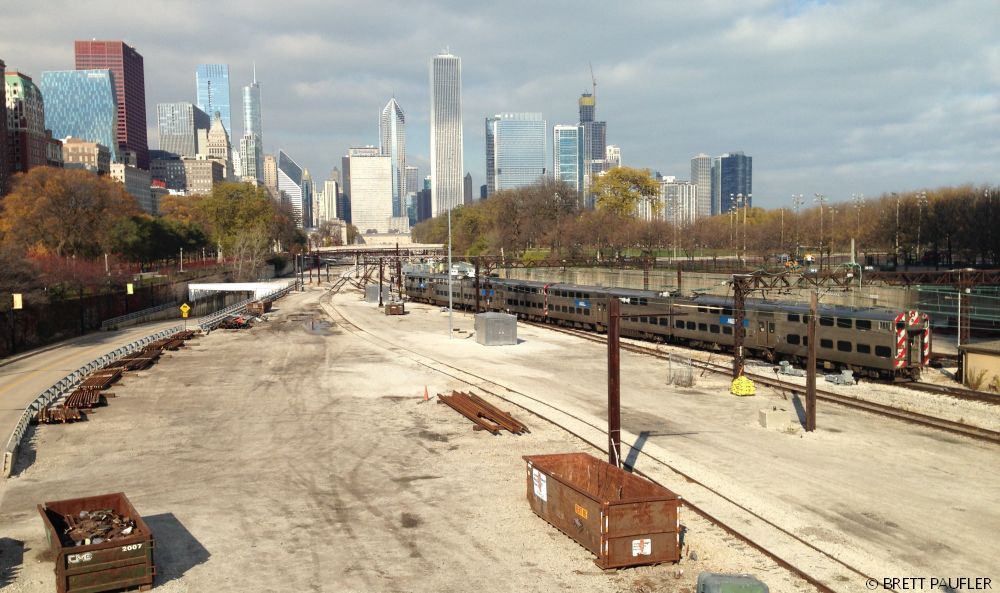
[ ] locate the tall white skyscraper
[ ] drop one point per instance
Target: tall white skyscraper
(392, 138)
(371, 190)
(447, 165)
(701, 176)
(253, 131)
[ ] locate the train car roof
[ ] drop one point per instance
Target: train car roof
(873, 313)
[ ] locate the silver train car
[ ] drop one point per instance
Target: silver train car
(872, 342)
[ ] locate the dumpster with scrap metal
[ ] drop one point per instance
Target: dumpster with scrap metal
(100, 543)
(624, 519)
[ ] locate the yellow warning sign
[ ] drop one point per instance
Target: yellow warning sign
(184, 309)
(580, 511)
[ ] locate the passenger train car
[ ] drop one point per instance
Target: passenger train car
(871, 342)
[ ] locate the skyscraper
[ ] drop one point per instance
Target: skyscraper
(178, 125)
(371, 190)
(701, 176)
(307, 198)
(212, 82)
(467, 189)
(567, 158)
(412, 179)
(25, 122)
(81, 104)
(447, 165)
(518, 150)
(219, 147)
(732, 176)
(612, 156)
(290, 184)
(127, 73)
(253, 130)
(392, 143)
(271, 175)
(6, 166)
(588, 107)
(593, 144)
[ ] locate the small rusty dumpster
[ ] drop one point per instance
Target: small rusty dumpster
(395, 308)
(122, 558)
(624, 519)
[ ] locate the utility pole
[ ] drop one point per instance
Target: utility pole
(811, 364)
(477, 285)
(741, 286)
(895, 254)
(614, 383)
(821, 199)
(380, 282)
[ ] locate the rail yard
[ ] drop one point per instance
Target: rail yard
(307, 453)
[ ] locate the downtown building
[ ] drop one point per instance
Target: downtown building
(6, 166)
(371, 190)
(217, 145)
(567, 156)
(701, 175)
(212, 91)
(127, 75)
(26, 138)
(289, 186)
(732, 182)
(515, 150)
(178, 125)
(252, 142)
(392, 143)
(593, 145)
(81, 104)
(447, 165)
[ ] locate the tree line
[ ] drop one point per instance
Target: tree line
(944, 226)
(82, 220)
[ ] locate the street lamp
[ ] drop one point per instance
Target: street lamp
(182, 259)
(451, 329)
(859, 202)
(796, 203)
(921, 202)
(820, 199)
(895, 255)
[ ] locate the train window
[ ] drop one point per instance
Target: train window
(883, 351)
(665, 321)
(713, 328)
(825, 343)
(883, 325)
(793, 339)
(692, 325)
(863, 324)
(793, 317)
(864, 349)
(703, 309)
(845, 322)
(805, 319)
(586, 295)
(727, 311)
(900, 325)
(826, 321)
(586, 312)
(703, 327)
(843, 345)
(679, 324)
(727, 330)
(643, 319)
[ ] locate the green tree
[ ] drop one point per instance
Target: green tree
(622, 189)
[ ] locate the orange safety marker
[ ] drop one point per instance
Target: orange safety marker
(426, 397)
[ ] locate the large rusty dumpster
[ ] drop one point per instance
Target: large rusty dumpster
(623, 519)
(119, 556)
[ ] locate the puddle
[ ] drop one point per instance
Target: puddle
(318, 327)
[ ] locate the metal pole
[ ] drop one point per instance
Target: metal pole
(182, 260)
(477, 285)
(739, 313)
(811, 365)
(614, 383)
(895, 255)
(380, 282)
(451, 326)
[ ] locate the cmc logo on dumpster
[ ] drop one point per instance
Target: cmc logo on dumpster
(78, 558)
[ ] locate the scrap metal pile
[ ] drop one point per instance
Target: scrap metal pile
(237, 322)
(92, 392)
(484, 415)
(95, 527)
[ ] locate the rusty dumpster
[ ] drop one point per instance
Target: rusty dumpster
(394, 309)
(623, 519)
(123, 560)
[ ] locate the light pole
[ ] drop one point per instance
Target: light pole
(451, 329)
(859, 202)
(182, 260)
(921, 202)
(746, 207)
(895, 255)
(796, 203)
(820, 199)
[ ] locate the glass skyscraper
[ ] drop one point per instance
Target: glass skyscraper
(518, 145)
(81, 104)
(213, 92)
(392, 143)
(178, 125)
(128, 77)
(567, 158)
(701, 176)
(732, 176)
(447, 164)
(290, 183)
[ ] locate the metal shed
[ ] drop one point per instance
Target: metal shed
(496, 329)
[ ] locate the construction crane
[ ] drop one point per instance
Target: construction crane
(593, 80)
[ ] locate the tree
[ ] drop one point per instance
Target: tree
(63, 211)
(621, 189)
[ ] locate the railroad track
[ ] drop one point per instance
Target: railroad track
(504, 393)
(950, 426)
(956, 392)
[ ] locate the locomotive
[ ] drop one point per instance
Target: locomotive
(871, 342)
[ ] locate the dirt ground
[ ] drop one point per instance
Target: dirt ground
(295, 457)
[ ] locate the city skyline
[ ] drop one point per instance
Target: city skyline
(829, 97)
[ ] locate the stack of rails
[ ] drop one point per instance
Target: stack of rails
(484, 415)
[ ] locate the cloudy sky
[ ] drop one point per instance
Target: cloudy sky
(831, 97)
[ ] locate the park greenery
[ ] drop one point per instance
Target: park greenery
(65, 225)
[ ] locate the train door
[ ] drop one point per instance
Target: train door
(765, 334)
(914, 348)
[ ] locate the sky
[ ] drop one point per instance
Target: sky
(829, 97)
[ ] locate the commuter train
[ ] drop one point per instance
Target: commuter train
(872, 342)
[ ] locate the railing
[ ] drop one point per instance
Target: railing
(209, 322)
(116, 321)
(66, 384)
